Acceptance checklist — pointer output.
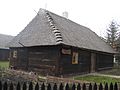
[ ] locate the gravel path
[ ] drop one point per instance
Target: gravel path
(98, 74)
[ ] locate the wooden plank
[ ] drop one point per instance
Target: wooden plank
(93, 62)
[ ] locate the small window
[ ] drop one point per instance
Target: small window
(15, 54)
(75, 58)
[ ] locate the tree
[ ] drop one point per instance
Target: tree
(113, 38)
(112, 33)
(118, 50)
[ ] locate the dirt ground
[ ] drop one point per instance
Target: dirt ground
(22, 76)
(114, 71)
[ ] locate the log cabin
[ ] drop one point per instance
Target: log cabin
(4, 50)
(53, 45)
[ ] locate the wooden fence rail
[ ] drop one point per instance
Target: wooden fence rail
(43, 86)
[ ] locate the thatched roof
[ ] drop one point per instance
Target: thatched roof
(4, 40)
(48, 28)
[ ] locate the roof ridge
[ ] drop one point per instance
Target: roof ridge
(6, 35)
(55, 30)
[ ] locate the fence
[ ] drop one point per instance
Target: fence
(31, 86)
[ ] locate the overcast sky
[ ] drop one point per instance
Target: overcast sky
(94, 14)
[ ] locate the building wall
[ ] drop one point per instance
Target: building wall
(88, 61)
(4, 54)
(44, 59)
(19, 58)
(39, 59)
(59, 60)
(80, 65)
(104, 61)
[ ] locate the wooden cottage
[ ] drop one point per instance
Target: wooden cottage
(4, 50)
(51, 44)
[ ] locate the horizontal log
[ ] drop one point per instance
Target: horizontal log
(105, 68)
(36, 52)
(42, 66)
(41, 59)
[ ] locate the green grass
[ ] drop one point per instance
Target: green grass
(4, 64)
(98, 79)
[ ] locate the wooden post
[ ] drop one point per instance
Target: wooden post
(18, 86)
(24, 86)
(93, 62)
(67, 87)
(49, 87)
(11, 86)
(61, 87)
(30, 86)
(1, 85)
(5, 86)
(37, 86)
(90, 86)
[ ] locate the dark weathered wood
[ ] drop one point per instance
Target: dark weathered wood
(30, 86)
(84, 86)
(1, 86)
(93, 62)
(43, 87)
(115, 86)
(73, 87)
(55, 87)
(18, 86)
(61, 86)
(95, 87)
(90, 86)
(24, 86)
(11, 86)
(83, 61)
(104, 61)
(49, 87)
(67, 87)
(21, 56)
(111, 86)
(78, 87)
(106, 86)
(37, 86)
(4, 54)
(100, 86)
(5, 86)
(44, 58)
(51, 60)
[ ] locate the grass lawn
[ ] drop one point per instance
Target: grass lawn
(4, 64)
(98, 79)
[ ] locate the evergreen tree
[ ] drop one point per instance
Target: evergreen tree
(112, 33)
(113, 38)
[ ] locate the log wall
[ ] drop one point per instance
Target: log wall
(43, 59)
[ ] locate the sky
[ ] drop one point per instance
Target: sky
(94, 14)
